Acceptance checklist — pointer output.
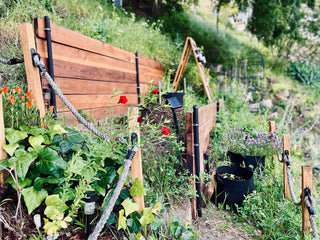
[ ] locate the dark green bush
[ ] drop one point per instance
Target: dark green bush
(305, 73)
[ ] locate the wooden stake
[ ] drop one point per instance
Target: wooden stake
(3, 154)
(286, 146)
(272, 128)
(136, 167)
(33, 76)
(306, 183)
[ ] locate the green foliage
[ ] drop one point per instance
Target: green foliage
(305, 73)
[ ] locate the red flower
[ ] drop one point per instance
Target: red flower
(165, 131)
(115, 139)
(123, 99)
(29, 104)
(23, 98)
(155, 91)
(18, 89)
(139, 120)
(12, 100)
(5, 90)
(28, 94)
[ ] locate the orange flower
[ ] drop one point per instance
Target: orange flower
(1, 89)
(23, 98)
(18, 89)
(29, 104)
(51, 108)
(5, 90)
(12, 100)
(28, 94)
(75, 122)
(13, 91)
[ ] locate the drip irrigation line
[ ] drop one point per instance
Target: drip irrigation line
(105, 216)
(12, 61)
(37, 62)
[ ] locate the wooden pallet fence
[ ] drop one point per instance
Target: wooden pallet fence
(3, 154)
(136, 166)
(207, 119)
(88, 71)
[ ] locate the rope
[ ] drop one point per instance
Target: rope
(288, 169)
(95, 234)
(310, 204)
(37, 62)
(12, 61)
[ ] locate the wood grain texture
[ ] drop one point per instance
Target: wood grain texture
(3, 154)
(136, 167)
(33, 77)
(306, 172)
(93, 101)
(286, 146)
(67, 37)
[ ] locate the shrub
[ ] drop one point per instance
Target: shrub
(305, 73)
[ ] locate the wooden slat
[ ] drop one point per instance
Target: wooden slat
(286, 146)
(207, 112)
(74, 55)
(33, 78)
(3, 154)
(306, 183)
(98, 113)
(77, 40)
(136, 167)
(93, 101)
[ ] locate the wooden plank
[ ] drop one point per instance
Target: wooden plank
(93, 101)
(73, 55)
(209, 190)
(286, 146)
(33, 77)
(136, 167)
(272, 128)
(206, 112)
(65, 36)
(87, 87)
(3, 154)
(98, 113)
(306, 183)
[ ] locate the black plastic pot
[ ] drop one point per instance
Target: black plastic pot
(178, 95)
(230, 191)
(251, 162)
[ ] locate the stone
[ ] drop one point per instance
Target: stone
(266, 103)
(284, 93)
(273, 116)
(254, 107)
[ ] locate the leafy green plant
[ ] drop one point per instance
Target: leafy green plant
(305, 73)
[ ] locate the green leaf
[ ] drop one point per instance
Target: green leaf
(124, 194)
(147, 217)
(15, 136)
(36, 142)
(52, 212)
(74, 137)
(137, 189)
(36, 131)
(112, 219)
(23, 160)
(101, 190)
(56, 129)
(22, 183)
(134, 224)
(139, 236)
(55, 202)
(33, 198)
(10, 148)
(39, 181)
(129, 206)
(49, 160)
(77, 165)
(122, 220)
(155, 226)
(187, 235)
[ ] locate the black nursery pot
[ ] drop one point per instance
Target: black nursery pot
(178, 95)
(229, 191)
(251, 162)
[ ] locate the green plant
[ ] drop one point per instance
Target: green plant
(305, 73)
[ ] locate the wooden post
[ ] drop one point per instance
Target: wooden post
(3, 154)
(286, 146)
(272, 128)
(306, 183)
(33, 76)
(136, 167)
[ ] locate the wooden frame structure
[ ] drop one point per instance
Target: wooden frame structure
(88, 72)
(207, 119)
(190, 45)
